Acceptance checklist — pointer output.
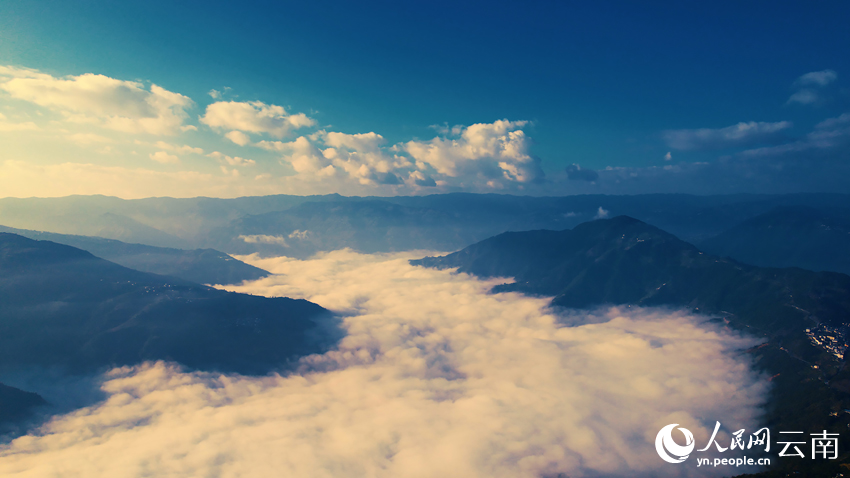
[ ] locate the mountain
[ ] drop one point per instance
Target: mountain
(803, 316)
(63, 307)
(204, 266)
(436, 222)
(16, 405)
(164, 222)
(791, 236)
(364, 225)
(626, 261)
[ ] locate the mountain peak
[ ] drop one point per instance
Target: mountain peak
(18, 251)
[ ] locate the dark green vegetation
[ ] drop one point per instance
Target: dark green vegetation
(626, 261)
(204, 266)
(62, 306)
(791, 236)
(298, 226)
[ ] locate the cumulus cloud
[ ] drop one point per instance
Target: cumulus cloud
(576, 173)
(435, 377)
(478, 157)
(164, 158)
(739, 135)
(668, 156)
(126, 106)
(253, 117)
(238, 137)
(494, 152)
(338, 157)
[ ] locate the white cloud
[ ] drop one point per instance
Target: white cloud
(264, 239)
(185, 149)
(435, 377)
(238, 137)
(842, 120)
(85, 139)
(496, 151)
(6, 126)
(299, 234)
(804, 97)
(126, 106)
(818, 78)
(232, 160)
(230, 172)
(741, 134)
(253, 117)
(25, 126)
(827, 135)
(815, 79)
(215, 94)
(27, 179)
(164, 158)
(668, 156)
(483, 157)
(601, 213)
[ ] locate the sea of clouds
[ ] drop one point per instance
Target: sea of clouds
(435, 378)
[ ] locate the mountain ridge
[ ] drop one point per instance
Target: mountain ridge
(62, 306)
(204, 266)
(789, 236)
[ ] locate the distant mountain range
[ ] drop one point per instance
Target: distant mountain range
(790, 236)
(803, 315)
(299, 226)
(204, 266)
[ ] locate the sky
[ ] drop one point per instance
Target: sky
(138, 99)
(434, 377)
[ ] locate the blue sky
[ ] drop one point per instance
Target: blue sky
(595, 84)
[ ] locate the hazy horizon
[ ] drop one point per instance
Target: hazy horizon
(424, 240)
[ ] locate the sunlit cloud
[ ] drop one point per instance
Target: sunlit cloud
(497, 151)
(435, 377)
(254, 117)
(164, 158)
(127, 106)
(24, 179)
(7, 126)
(232, 160)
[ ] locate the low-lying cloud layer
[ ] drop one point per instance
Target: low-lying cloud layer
(436, 378)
